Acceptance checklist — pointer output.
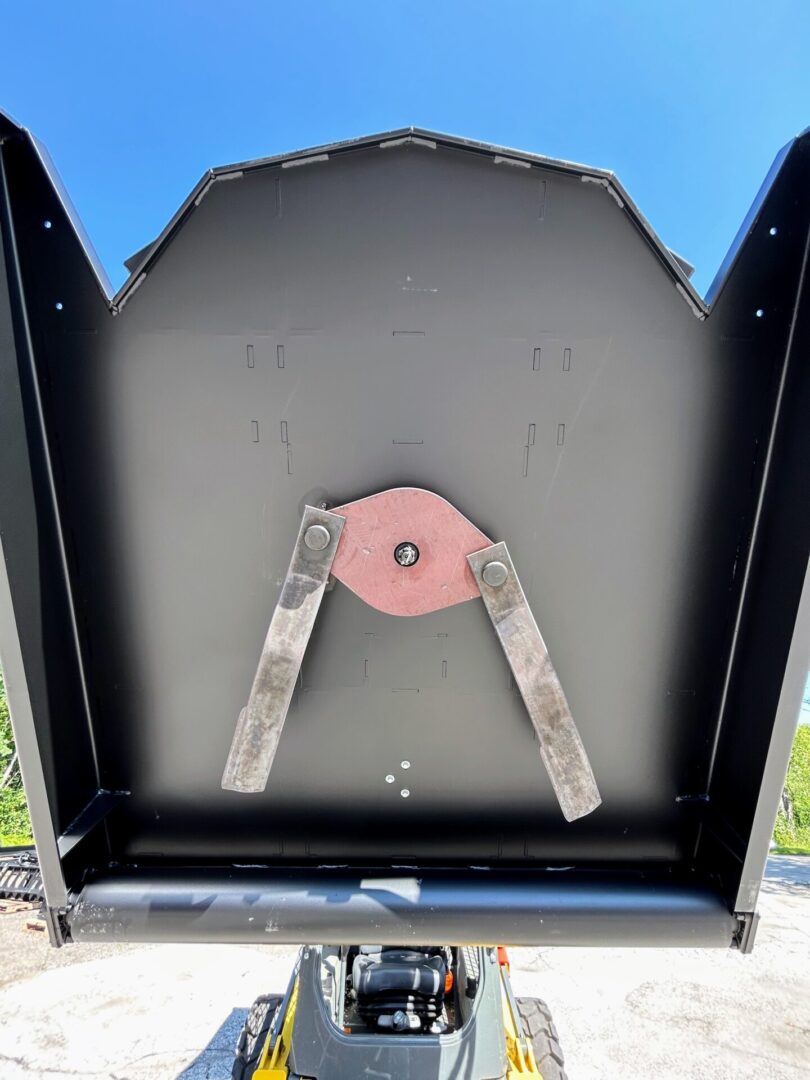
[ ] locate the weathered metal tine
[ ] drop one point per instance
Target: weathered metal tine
(561, 747)
(260, 723)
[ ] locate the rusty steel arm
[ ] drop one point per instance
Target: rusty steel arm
(261, 722)
(561, 747)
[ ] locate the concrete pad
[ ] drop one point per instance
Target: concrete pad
(162, 1012)
(687, 1014)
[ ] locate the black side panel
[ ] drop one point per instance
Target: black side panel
(32, 545)
(772, 278)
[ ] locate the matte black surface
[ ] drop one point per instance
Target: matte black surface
(396, 907)
(407, 309)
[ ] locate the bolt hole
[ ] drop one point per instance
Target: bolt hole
(405, 764)
(759, 312)
(47, 224)
(405, 793)
(773, 230)
(59, 305)
(390, 778)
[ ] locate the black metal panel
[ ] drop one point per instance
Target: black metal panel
(773, 277)
(404, 309)
(395, 907)
(43, 677)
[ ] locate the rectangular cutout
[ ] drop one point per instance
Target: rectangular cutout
(250, 357)
(255, 428)
(530, 440)
(567, 360)
(536, 360)
(560, 434)
(280, 355)
(541, 212)
(284, 437)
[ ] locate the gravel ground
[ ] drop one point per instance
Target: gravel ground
(162, 1012)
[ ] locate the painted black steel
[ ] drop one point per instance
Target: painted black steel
(396, 907)
(404, 309)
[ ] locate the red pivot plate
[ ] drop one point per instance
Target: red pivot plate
(428, 536)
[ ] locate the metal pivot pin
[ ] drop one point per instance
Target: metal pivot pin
(495, 574)
(317, 537)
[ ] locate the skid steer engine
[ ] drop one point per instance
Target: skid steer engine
(410, 1010)
(401, 989)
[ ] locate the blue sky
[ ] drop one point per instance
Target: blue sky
(687, 102)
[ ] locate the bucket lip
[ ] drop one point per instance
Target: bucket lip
(141, 262)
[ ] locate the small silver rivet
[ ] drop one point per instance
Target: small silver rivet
(405, 764)
(317, 537)
(404, 793)
(390, 778)
(495, 573)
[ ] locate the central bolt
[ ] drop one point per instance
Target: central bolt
(406, 553)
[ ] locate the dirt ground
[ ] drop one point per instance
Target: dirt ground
(165, 1012)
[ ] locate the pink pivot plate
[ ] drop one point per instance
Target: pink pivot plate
(376, 526)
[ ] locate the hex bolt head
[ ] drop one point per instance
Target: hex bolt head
(495, 574)
(317, 537)
(406, 553)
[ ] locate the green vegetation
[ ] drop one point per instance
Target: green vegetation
(793, 820)
(15, 824)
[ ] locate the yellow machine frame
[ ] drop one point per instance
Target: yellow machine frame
(521, 1063)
